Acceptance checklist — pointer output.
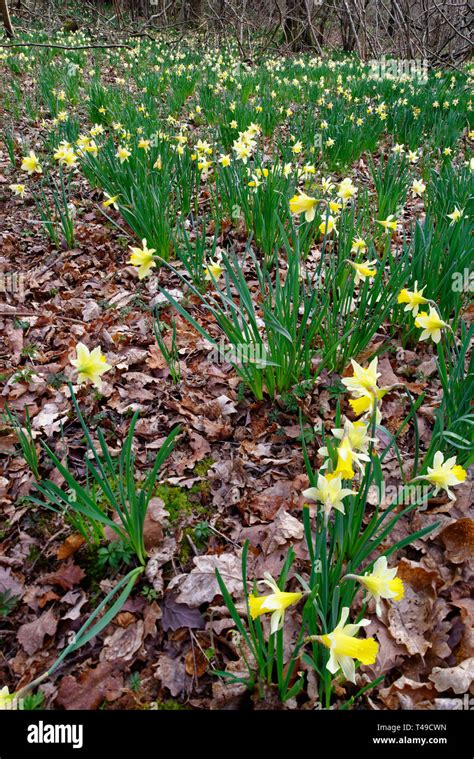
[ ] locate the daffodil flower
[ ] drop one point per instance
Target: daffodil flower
(345, 648)
(31, 164)
(364, 270)
(303, 203)
(213, 270)
(382, 582)
(110, 200)
(18, 189)
(327, 226)
(367, 403)
(143, 258)
(389, 224)
(346, 189)
(7, 699)
(330, 493)
(123, 154)
(456, 215)
(431, 324)
(418, 187)
(358, 245)
(362, 379)
(90, 365)
(275, 603)
(353, 447)
(444, 474)
(413, 299)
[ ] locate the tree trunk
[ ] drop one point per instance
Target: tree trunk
(296, 28)
(6, 18)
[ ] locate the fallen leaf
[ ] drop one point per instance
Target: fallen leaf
(177, 615)
(70, 546)
(67, 576)
(200, 585)
(91, 688)
(31, 635)
(458, 539)
(457, 678)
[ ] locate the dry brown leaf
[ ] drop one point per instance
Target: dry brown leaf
(67, 576)
(457, 678)
(70, 546)
(31, 635)
(458, 539)
(200, 585)
(91, 688)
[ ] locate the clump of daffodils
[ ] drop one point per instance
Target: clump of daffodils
(90, 365)
(345, 649)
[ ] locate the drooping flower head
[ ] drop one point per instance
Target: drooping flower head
(345, 648)
(382, 582)
(444, 474)
(275, 603)
(143, 258)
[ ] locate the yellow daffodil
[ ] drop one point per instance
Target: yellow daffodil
(444, 474)
(123, 153)
(358, 245)
(418, 187)
(144, 145)
(389, 224)
(31, 164)
(143, 258)
(18, 189)
(303, 203)
(224, 159)
(362, 379)
(398, 149)
(382, 582)
(363, 270)
(327, 226)
(327, 185)
(431, 324)
(7, 699)
(413, 156)
(346, 189)
(275, 603)
(110, 200)
(90, 365)
(354, 437)
(366, 403)
(213, 270)
(413, 299)
(456, 215)
(330, 493)
(65, 155)
(345, 648)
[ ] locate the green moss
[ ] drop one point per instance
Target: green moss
(170, 706)
(202, 467)
(176, 501)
